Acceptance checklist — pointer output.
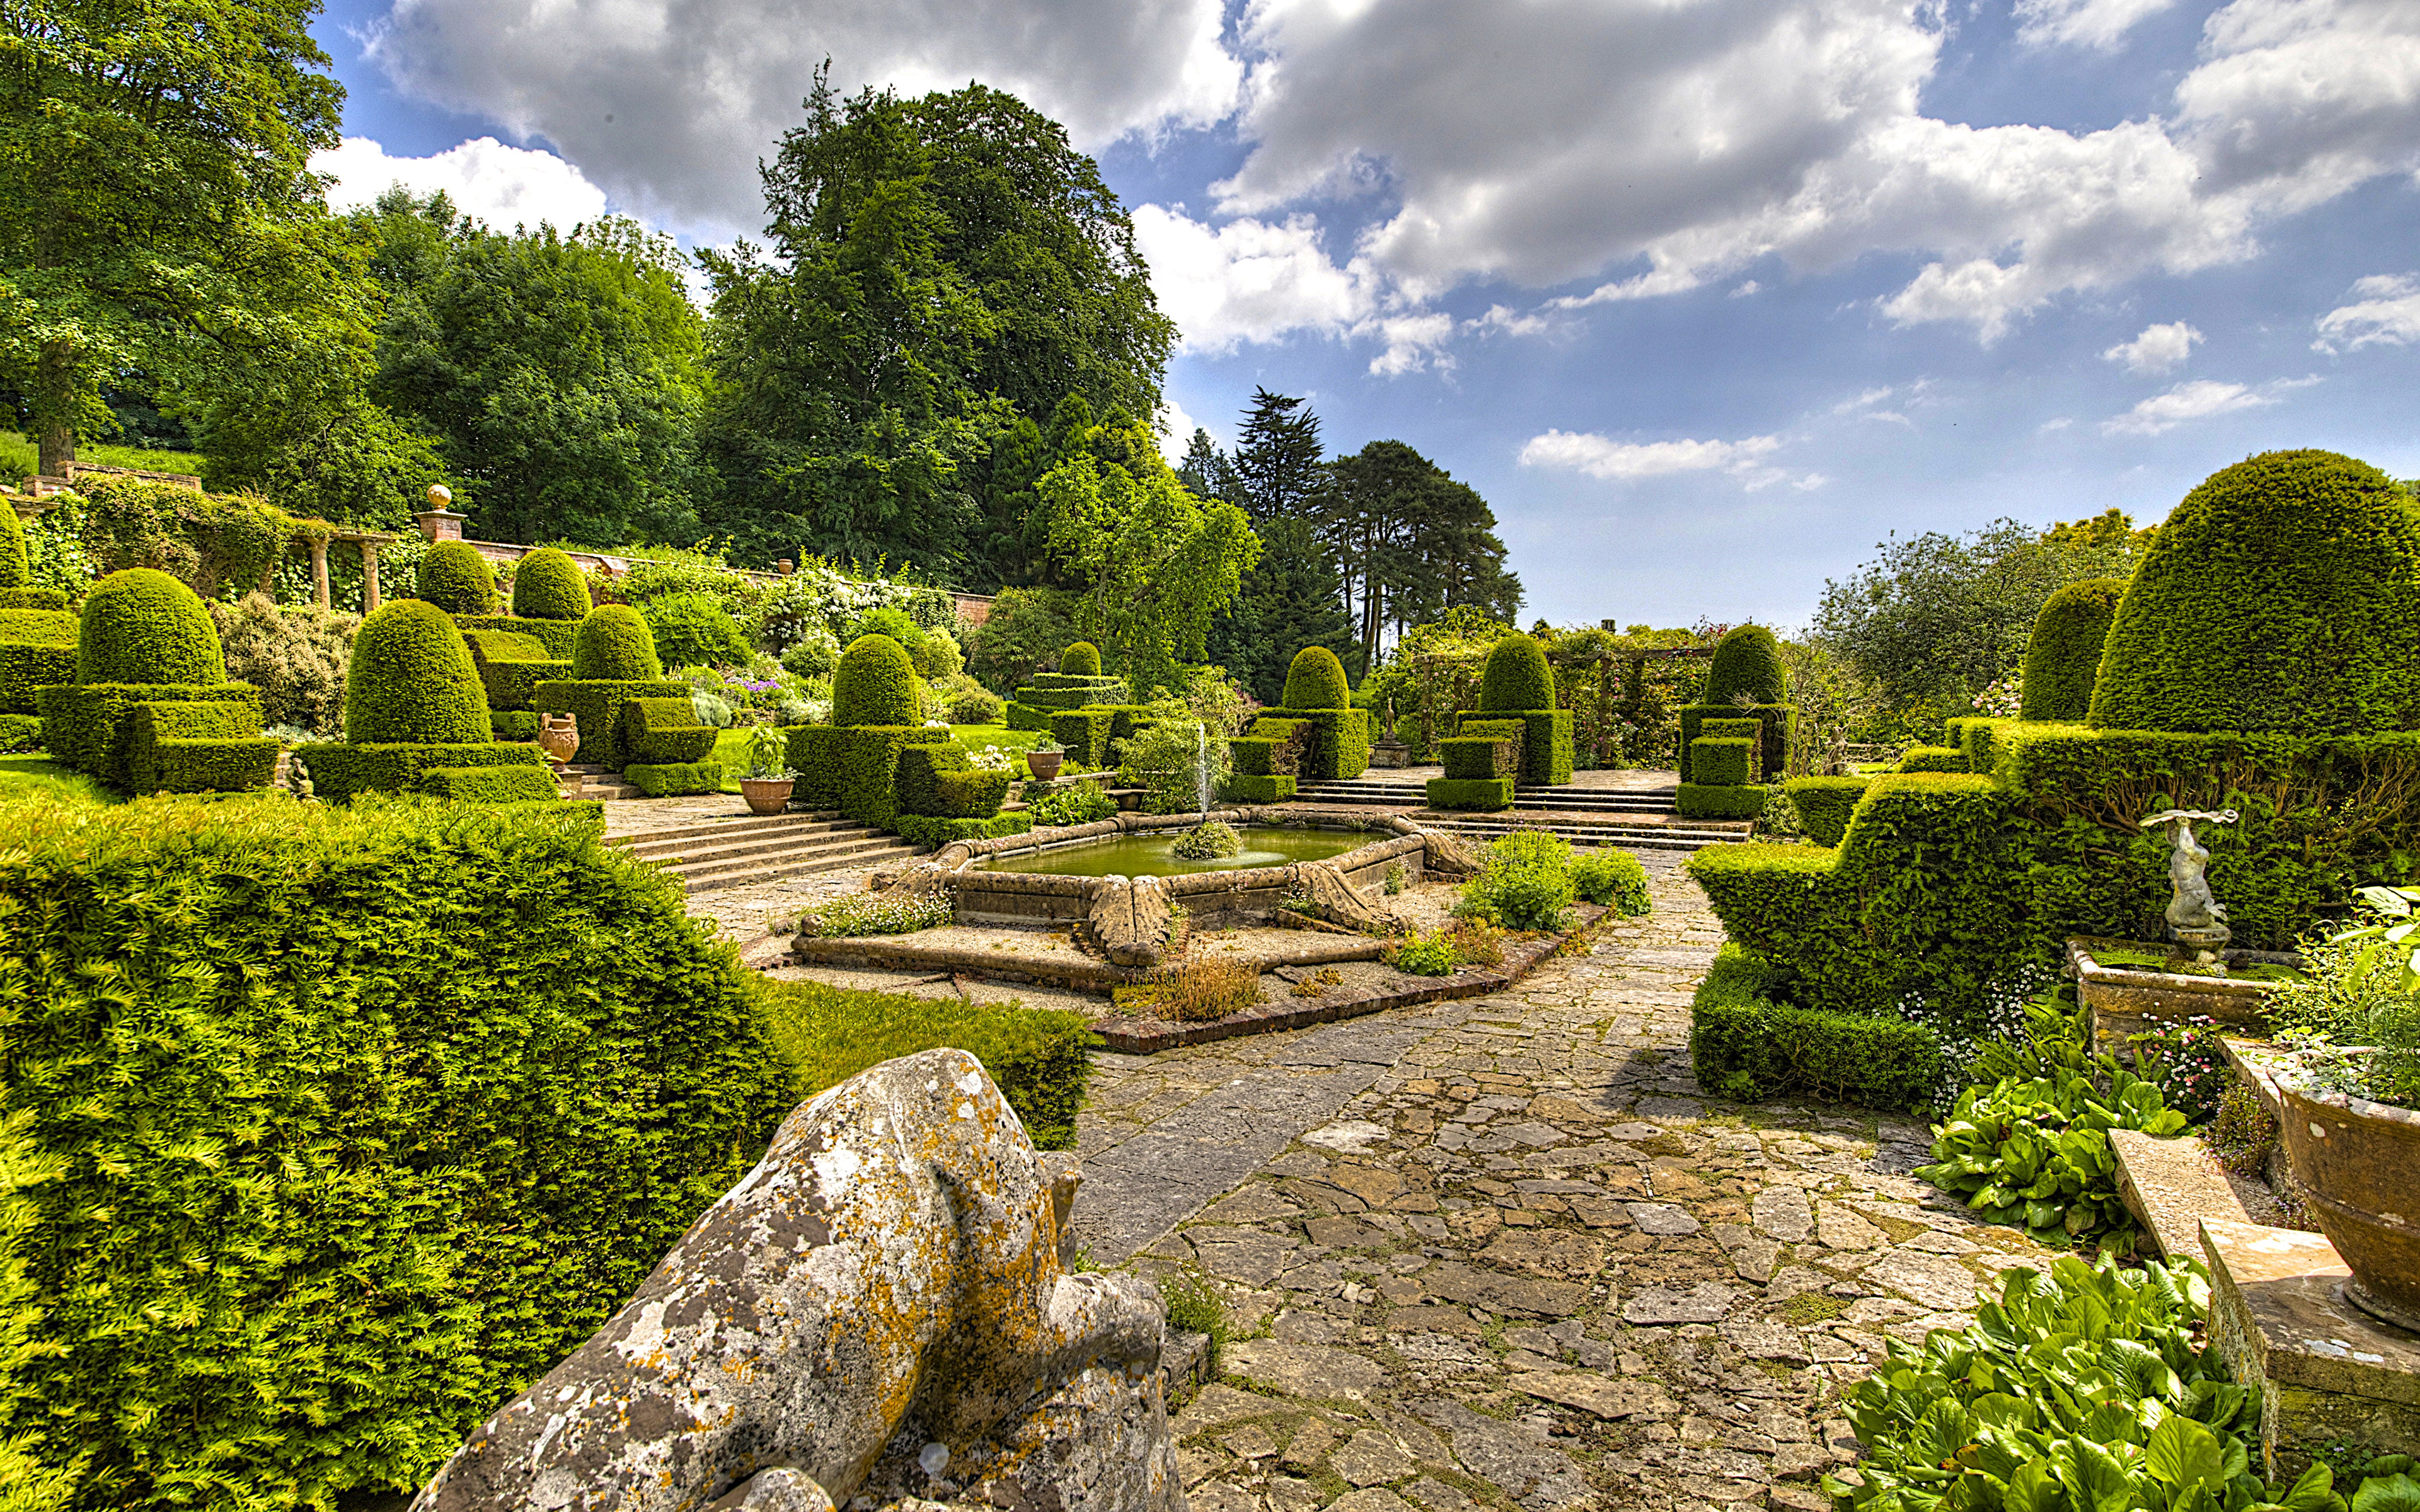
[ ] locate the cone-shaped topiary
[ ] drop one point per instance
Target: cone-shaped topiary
(1517, 677)
(1316, 680)
(876, 684)
(15, 571)
(142, 626)
(2064, 656)
(411, 681)
(2282, 596)
(548, 585)
(1082, 659)
(456, 579)
(1746, 661)
(615, 646)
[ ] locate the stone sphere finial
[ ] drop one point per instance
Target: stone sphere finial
(439, 496)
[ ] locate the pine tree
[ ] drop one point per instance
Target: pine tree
(1205, 471)
(1290, 599)
(1277, 466)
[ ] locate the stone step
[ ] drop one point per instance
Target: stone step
(1640, 836)
(2172, 1185)
(689, 855)
(799, 862)
(649, 842)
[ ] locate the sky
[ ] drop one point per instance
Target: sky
(1707, 298)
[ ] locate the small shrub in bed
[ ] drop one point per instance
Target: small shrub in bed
(1612, 879)
(877, 913)
(1423, 955)
(1207, 843)
(1525, 884)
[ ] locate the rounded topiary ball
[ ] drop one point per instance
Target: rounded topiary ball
(1516, 679)
(2064, 656)
(1316, 680)
(2281, 596)
(411, 681)
(15, 570)
(614, 645)
(548, 585)
(456, 579)
(1746, 661)
(1082, 659)
(142, 626)
(876, 684)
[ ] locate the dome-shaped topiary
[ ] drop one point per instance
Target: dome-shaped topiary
(1746, 661)
(457, 579)
(1516, 678)
(15, 571)
(614, 645)
(548, 585)
(876, 684)
(411, 681)
(2064, 656)
(141, 625)
(1316, 680)
(2281, 596)
(1082, 659)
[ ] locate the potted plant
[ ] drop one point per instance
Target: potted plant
(766, 782)
(1043, 759)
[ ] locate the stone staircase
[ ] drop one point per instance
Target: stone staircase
(1637, 817)
(586, 779)
(739, 852)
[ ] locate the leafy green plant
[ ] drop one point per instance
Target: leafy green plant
(769, 753)
(2035, 1154)
(1207, 842)
(1423, 955)
(1613, 879)
(1079, 805)
(1524, 885)
(877, 913)
(1194, 1306)
(2078, 1391)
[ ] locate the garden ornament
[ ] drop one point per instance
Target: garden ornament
(2196, 921)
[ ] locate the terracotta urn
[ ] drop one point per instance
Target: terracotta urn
(765, 794)
(2358, 1162)
(1044, 764)
(558, 736)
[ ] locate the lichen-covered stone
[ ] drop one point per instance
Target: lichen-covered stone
(880, 1308)
(1129, 920)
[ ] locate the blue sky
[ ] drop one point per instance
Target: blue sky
(1706, 296)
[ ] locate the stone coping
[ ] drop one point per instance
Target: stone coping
(2283, 1289)
(906, 952)
(2148, 988)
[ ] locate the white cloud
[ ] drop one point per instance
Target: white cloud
(2095, 23)
(2196, 400)
(1248, 279)
(2158, 349)
(503, 186)
(1601, 456)
(2386, 314)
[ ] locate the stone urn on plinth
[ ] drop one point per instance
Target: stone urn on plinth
(558, 736)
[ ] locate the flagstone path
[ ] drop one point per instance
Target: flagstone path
(1503, 1254)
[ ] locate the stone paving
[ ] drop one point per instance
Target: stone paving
(1502, 1253)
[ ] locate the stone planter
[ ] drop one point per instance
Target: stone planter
(558, 736)
(765, 794)
(1044, 764)
(2358, 1163)
(1389, 753)
(2136, 1000)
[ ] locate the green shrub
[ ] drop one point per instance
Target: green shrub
(1051, 692)
(50, 600)
(2063, 655)
(1077, 803)
(411, 681)
(490, 784)
(514, 724)
(1316, 680)
(548, 585)
(457, 579)
(1778, 720)
(674, 780)
(869, 764)
(143, 626)
(934, 832)
(1751, 731)
(1022, 715)
(600, 709)
(390, 1109)
(815, 755)
(975, 705)
(1746, 661)
(1524, 884)
(1516, 678)
(665, 732)
(1470, 759)
(561, 637)
(614, 645)
(340, 773)
(1482, 794)
(2282, 596)
(510, 666)
(297, 656)
(90, 727)
(1082, 659)
(1722, 763)
(1932, 759)
(2036, 1155)
(1613, 879)
(1085, 735)
(1247, 788)
(14, 571)
(1275, 746)
(39, 627)
(1710, 801)
(1746, 1046)
(1336, 742)
(184, 747)
(26, 667)
(937, 781)
(1423, 955)
(1040, 1058)
(1165, 759)
(20, 732)
(875, 684)
(1824, 804)
(695, 630)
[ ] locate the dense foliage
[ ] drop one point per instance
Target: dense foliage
(457, 579)
(2063, 658)
(1515, 678)
(412, 681)
(1525, 883)
(875, 684)
(296, 656)
(1746, 669)
(614, 644)
(548, 585)
(140, 625)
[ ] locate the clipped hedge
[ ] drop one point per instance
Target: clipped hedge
(1778, 719)
(814, 752)
(674, 780)
(20, 733)
(938, 781)
(1516, 678)
(361, 1120)
(933, 832)
(548, 585)
(1246, 788)
(1747, 1047)
(490, 784)
(665, 731)
(1316, 680)
(340, 773)
(1484, 794)
(90, 726)
(142, 626)
(1469, 758)
(457, 579)
(561, 637)
(182, 747)
(1824, 804)
(1933, 759)
(875, 683)
(1751, 731)
(1722, 761)
(1082, 659)
(1274, 747)
(1746, 661)
(514, 724)
(869, 766)
(614, 645)
(1085, 735)
(2063, 655)
(16, 569)
(510, 666)
(26, 667)
(1022, 715)
(1715, 800)
(2281, 597)
(412, 680)
(604, 734)
(1336, 745)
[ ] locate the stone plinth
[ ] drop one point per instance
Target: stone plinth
(2328, 1372)
(2128, 999)
(2172, 1186)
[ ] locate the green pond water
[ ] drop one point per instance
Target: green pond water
(1147, 855)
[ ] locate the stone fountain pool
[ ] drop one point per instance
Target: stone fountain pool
(1149, 854)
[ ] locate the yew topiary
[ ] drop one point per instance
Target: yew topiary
(2282, 596)
(875, 684)
(411, 681)
(457, 579)
(1746, 661)
(15, 570)
(1516, 678)
(1082, 659)
(2064, 655)
(1316, 680)
(141, 625)
(548, 585)
(615, 646)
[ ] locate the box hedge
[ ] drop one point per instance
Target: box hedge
(548, 585)
(1085, 735)
(869, 765)
(1022, 715)
(514, 724)
(510, 666)
(933, 832)
(20, 733)
(90, 726)
(457, 579)
(674, 780)
(1316, 680)
(1751, 731)
(1336, 747)
(1516, 677)
(814, 754)
(1746, 663)
(1778, 720)
(47, 599)
(598, 707)
(25, 667)
(178, 745)
(1545, 736)
(666, 730)
(937, 781)
(561, 637)
(1484, 794)
(412, 680)
(1469, 758)
(142, 626)
(2063, 653)
(614, 645)
(360, 1120)
(1824, 804)
(340, 773)
(875, 683)
(1082, 659)
(1722, 761)
(1714, 800)
(1747, 1047)
(1933, 759)
(490, 784)
(1246, 788)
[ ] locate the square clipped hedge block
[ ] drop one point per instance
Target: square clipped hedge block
(197, 748)
(674, 780)
(938, 782)
(490, 784)
(1778, 719)
(1749, 1048)
(666, 731)
(1708, 800)
(604, 734)
(934, 831)
(1545, 736)
(90, 726)
(1022, 715)
(1290, 744)
(1721, 761)
(511, 665)
(49, 599)
(1276, 789)
(514, 724)
(1338, 748)
(557, 636)
(340, 773)
(815, 755)
(25, 667)
(1932, 759)
(869, 765)
(20, 732)
(1751, 731)
(1824, 804)
(1482, 794)
(1085, 735)
(1253, 754)
(1474, 757)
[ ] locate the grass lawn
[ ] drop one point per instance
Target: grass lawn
(29, 776)
(19, 456)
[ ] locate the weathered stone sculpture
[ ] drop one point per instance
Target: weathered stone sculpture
(879, 1311)
(2196, 920)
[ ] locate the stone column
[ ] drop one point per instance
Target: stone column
(369, 577)
(319, 571)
